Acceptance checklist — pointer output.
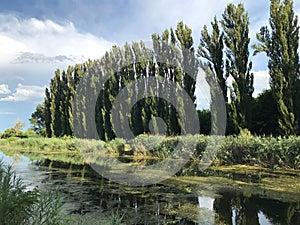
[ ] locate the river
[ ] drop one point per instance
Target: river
(178, 200)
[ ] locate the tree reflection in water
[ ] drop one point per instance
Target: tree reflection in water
(169, 202)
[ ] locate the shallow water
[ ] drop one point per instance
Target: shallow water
(178, 200)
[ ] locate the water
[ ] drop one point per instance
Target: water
(174, 201)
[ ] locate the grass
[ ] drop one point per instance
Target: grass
(40, 143)
(19, 206)
(268, 152)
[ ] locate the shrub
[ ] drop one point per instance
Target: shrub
(266, 151)
(10, 132)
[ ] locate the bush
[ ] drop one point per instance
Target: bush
(265, 151)
(10, 132)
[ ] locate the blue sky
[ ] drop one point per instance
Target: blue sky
(39, 36)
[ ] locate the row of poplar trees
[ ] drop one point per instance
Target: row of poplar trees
(224, 48)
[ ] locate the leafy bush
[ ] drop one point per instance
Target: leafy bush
(115, 146)
(9, 133)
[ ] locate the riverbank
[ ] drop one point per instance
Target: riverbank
(266, 152)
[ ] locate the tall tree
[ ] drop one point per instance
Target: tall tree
(66, 101)
(65, 127)
(189, 63)
(47, 111)
(56, 107)
(189, 66)
(281, 46)
(236, 35)
(70, 99)
(37, 120)
(211, 48)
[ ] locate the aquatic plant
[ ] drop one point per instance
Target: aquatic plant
(19, 206)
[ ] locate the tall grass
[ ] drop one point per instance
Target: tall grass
(264, 151)
(19, 206)
(40, 143)
(270, 152)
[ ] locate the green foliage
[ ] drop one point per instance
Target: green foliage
(10, 132)
(265, 151)
(54, 118)
(224, 53)
(19, 206)
(205, 121)
(16, 131)
(242, 149)
(15, 203)
(37, 120)
(115, 146)
(146, 144)
(40, 143)
(46, 210)
(211, 48)
(265, 114)
(161, 147)
(236, 35)
(117, 218)
(281, 43)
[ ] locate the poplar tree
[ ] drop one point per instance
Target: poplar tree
(47, 111)
(184, 36)
(211, 49)
(70, 99)
(280, 42)
(235, 24)
(55, 108)
(65, 127)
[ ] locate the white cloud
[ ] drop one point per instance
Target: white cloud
(202, 91)
(26, 93)
(28, 57)
(261, 81)
(7, 113)
(4, 89)
(46, 39)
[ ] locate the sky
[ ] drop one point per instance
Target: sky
(39, 36)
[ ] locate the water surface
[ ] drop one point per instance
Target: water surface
(196, 198)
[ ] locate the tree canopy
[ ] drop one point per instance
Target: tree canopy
(223, 51)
